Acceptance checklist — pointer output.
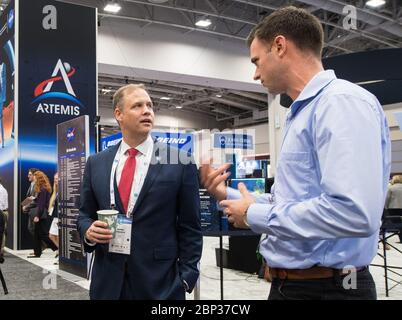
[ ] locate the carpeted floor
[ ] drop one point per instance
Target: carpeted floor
(26, 281)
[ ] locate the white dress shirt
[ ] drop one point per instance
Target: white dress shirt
(3, 198)
(143, 159)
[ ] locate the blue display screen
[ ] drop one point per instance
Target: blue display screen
(252, 185)
(247, 167)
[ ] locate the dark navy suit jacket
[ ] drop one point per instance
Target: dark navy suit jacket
(166, 242)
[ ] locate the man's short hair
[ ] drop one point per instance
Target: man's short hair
(33, 170)
(296, 24)
(397, 179)
(121, 92)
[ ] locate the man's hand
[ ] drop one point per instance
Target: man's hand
(98, 232)
(36, 220)
(214, 179)
(236, 209)
(24, 209)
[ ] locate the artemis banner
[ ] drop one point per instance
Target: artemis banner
(57, 82)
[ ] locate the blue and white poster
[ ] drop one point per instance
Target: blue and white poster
(181, 141)
(110, 141)
(233, 141)
(57, 81)
(7, 110)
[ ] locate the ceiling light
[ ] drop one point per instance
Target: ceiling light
(218, 96)
(375, 3)
(112, 7)
(106, 91)
(165, 98)
(179, 107)
(203, 23)
(368, 82)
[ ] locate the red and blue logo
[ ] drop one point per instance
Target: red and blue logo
(70, 134)
(43, 92)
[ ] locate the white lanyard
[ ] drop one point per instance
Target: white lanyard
(112, 174)
(133, 195)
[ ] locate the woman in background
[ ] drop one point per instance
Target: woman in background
(41, 232)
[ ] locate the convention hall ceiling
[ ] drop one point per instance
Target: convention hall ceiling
(232, 20)
(379, 27)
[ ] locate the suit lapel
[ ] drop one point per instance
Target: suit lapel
(108, 164)
(119, 205)
(153, 171)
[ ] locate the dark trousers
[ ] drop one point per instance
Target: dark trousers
(41, 234)
(2, 229)
(325, 289)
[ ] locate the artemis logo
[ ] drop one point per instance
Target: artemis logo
(56, 102)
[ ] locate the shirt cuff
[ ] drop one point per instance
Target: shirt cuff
(257, 217)
(89, 243)
(232, 194)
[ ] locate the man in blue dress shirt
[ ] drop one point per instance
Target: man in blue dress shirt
(323, 215)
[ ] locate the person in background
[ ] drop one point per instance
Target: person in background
(54, 213)
(2, 231)
(41, 232)
(394, 197)
(324, 211)
(31, 207)
(4, 215)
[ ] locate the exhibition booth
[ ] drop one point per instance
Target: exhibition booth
(56, 110)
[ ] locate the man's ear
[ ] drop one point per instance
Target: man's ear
(117, 114)
(280, 45)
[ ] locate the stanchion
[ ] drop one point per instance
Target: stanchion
(221, 254)
(3, 282)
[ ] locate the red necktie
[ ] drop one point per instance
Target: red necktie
(127, 178)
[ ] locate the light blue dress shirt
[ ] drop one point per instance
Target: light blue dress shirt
(331, 180)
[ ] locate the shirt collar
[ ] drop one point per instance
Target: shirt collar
(313, 88)
(144, 148)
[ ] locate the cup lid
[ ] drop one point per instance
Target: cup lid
(107, 212)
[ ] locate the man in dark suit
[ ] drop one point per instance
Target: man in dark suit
(161, 198)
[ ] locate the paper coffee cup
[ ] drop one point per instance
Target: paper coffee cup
(110, 217)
